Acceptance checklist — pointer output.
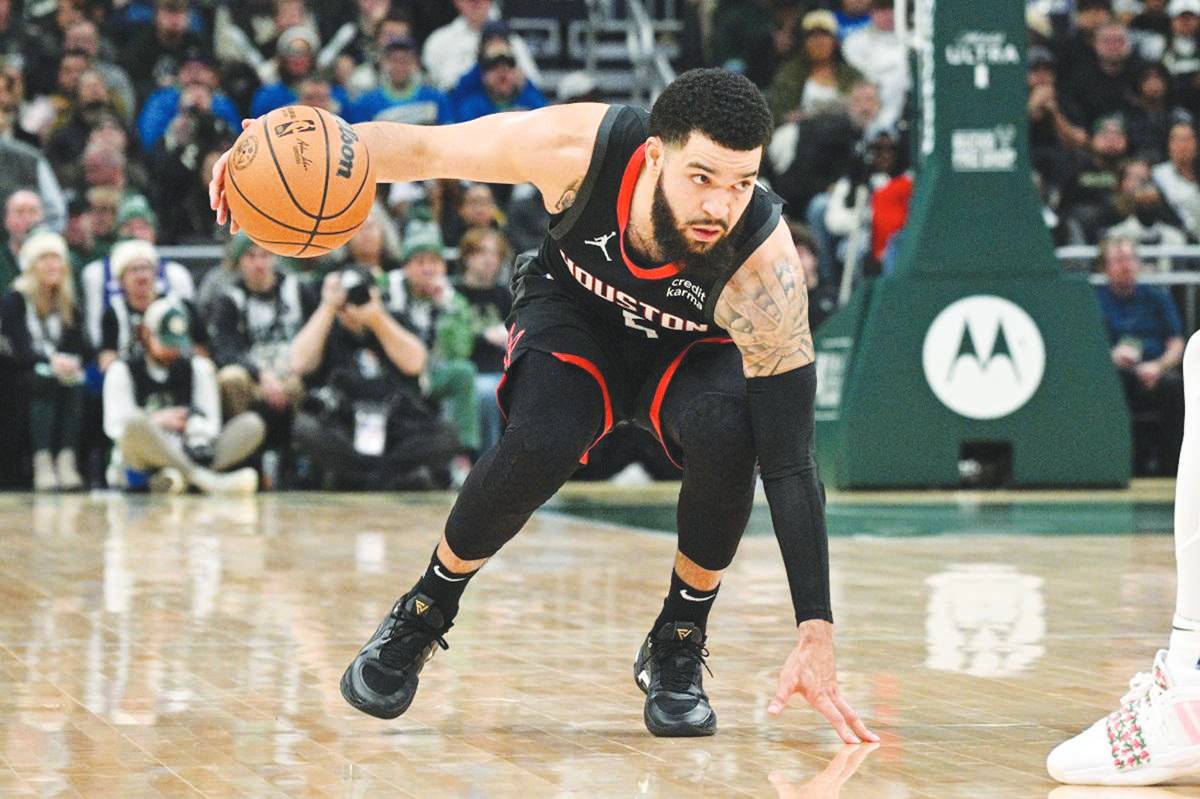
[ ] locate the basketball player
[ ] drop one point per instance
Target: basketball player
(1154, 737)
(668, 293)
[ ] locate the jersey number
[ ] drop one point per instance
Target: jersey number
(637, 323)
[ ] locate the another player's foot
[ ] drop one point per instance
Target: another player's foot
(1153, 738)
(382, 679)
(669, 670)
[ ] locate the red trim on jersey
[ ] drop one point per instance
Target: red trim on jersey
(514, 336)
(664, 382)
(594, 371)
(624, 203)
(499, 403)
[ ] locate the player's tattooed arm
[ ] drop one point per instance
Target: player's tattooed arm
(764, 307)
(568, 196)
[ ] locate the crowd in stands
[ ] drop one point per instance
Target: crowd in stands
(376, 366)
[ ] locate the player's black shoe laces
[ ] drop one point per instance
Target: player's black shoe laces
(408, 639)
(678, 662)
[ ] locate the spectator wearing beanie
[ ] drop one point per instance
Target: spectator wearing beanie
(135, 219)
(45, 344)
(135, 266)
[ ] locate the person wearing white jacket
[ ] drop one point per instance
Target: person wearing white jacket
(876, 51)
(163, 411)
(451, 50)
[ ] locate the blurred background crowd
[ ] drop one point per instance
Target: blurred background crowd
(141, 347)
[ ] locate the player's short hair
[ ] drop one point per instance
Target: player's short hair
(724, 106)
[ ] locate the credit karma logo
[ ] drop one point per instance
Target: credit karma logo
(984, 357)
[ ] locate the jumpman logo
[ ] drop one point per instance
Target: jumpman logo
(602, 243)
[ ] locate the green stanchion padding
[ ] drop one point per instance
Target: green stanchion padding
(976, 337)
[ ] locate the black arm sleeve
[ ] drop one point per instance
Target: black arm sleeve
(781, 415)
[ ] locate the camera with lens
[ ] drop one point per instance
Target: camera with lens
(357, 281)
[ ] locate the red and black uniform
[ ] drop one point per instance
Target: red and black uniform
(596, 339)
(584, 300)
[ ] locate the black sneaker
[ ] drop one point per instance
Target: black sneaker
(668, 670)
(382, 679)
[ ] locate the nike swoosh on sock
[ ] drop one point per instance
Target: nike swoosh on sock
(683, 593)
(438, 571)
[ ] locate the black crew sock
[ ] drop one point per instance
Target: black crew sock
(443, 586)
(685, 603)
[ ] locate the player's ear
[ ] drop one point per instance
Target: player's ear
(655, 152)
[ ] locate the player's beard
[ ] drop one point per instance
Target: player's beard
(704, 266)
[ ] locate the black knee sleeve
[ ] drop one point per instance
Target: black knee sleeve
(555, 414)
(717, 441)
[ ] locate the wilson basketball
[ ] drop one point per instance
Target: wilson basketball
(299, 181)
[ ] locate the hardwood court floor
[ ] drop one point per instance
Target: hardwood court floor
(154, 646)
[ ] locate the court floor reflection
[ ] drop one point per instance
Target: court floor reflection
(186, 647)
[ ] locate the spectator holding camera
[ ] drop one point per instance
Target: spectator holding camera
(365, 425)
(180, 128)
(194, 94)
(161, 409)
(253, 325)
(45, 344)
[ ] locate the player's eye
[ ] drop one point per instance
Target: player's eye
(745, 185)
(700, 180)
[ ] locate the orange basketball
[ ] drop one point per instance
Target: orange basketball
(299, 181)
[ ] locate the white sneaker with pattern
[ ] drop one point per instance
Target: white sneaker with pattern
(1154, 737)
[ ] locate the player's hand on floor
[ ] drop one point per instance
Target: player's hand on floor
(828, 784)
(216, 188)
(811, 672)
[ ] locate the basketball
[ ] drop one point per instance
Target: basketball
(299, 181)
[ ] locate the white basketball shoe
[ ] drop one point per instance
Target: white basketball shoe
(1153, 738)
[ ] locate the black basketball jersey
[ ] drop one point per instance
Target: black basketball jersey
(586, 249)
(154, 395)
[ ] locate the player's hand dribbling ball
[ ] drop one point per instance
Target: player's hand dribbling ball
(299, 181)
